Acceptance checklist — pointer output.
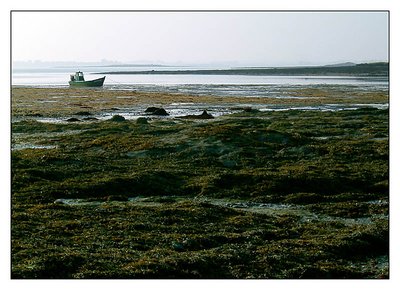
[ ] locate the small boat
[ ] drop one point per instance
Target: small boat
(77, 80)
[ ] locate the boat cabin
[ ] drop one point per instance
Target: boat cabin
(78, 77)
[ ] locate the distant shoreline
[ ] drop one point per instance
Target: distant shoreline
(373, 69)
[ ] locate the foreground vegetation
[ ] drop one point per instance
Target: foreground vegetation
(289, 194)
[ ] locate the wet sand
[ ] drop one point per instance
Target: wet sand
(59, 102)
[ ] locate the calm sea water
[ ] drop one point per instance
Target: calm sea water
(220, 85)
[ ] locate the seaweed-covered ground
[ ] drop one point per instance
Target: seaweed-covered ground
(249, 194)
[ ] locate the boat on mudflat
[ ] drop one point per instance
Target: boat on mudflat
(78, 80)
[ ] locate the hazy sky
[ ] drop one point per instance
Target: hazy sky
(242, 38)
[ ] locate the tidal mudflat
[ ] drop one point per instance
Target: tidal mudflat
(290, 187)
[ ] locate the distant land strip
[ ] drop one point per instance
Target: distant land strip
(365, 69)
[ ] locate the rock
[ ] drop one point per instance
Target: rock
(90, 119)
(151, 109)
(73, 120)
(117, 118)
(202, 116)
(83, 113)
(142, 120)
(250, 110)
(156, 111)
(161, 112)
(206, 115)
(34, 115)
(245, 109)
